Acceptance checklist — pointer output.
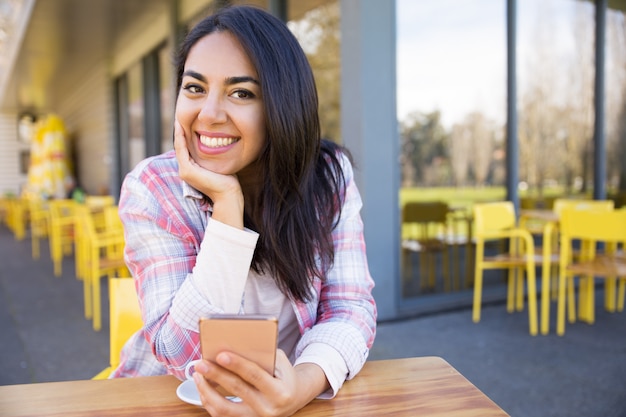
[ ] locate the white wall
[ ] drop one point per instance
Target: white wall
(11, 180)
(87, 111)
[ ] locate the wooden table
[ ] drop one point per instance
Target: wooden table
(427, 386)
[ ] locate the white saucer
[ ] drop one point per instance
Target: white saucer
(187, 392)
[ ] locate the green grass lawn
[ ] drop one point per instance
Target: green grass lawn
(455, 197)
(466, 197)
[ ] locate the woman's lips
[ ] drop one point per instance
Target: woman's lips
(217, 142)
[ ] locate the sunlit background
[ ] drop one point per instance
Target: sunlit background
(105, 67)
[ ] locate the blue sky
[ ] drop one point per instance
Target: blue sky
(452, 53)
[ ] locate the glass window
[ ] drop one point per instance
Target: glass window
(615, 87)
(316, 25)
(167, 97)
(451, 104)
(136, 140)
(451, 90)
(555, 89)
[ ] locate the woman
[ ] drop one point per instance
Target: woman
(252, 214)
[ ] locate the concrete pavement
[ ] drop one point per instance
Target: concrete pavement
(45, 337)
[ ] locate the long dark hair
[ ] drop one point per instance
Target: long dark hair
(304, 185)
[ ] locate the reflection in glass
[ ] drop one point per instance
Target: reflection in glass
(136, 141)
(451, 84)
(318, 31)
(166, 84)
(451, 101)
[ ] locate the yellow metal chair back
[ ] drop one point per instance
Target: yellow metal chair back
(97, 205)
(494, 218)
(497, 221)
(101, 209)
(125, 319)
(17, 212)
(561, 204)
(591, 227)
(102, 255)
(4, 209)
(39, 223)
(424, 230)
(62, 221)
(94, 201)
(112, 218)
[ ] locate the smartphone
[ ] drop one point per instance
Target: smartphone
(255, 337)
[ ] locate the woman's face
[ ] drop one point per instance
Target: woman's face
(220, 106)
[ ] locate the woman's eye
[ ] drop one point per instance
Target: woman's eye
(242, 94)
(193, 88)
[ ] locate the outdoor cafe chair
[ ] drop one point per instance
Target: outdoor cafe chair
(99, 201)
(545, 222)
(17, 212)
(39, 223)
(97, 206)
(424, 226)
(61, 233)
(112, 219)
(496, 221)
(124, 319)
(590, 229)
(103, 255)
(562, 204)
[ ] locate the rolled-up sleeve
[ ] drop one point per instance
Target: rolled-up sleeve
(344, 316)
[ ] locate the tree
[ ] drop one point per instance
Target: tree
(424, 148)
(319, 33)
(481, 133)
(460, 145)
(472, 145)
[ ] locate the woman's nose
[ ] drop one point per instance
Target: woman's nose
(213, 109)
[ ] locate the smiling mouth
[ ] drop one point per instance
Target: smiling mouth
(217, 142)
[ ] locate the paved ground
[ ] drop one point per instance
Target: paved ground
(46, 338)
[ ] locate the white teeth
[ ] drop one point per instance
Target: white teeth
(216, 142)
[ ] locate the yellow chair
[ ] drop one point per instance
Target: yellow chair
(97, 205)
(62, 220)
(125, 319)
(459, 234)
(112, 218)
(589, 228)
(425, 227)
(497, 222)
(546, 223)
(99, 200)
(564, 204)
(39, 223)
(4, 209)
(17, 216)
(561, 204)
(102, 255)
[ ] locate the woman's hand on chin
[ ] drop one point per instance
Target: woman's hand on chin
(223, 190)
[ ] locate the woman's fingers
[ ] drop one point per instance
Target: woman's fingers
(214, 402)
(180, 146)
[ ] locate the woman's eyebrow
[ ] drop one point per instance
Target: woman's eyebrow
(195, 75)
(228, 81)
(241, 79)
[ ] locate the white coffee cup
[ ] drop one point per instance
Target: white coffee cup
(190, 369)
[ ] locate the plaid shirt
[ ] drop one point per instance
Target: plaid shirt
(165, 221)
